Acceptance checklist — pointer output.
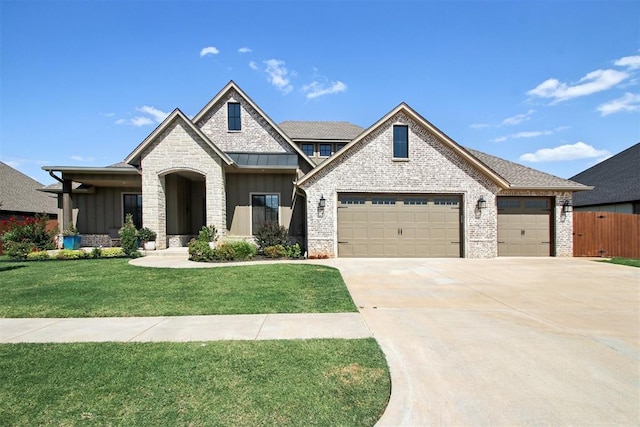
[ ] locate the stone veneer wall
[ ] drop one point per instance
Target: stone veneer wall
(562, 223)
(178, 148)
(432, 167)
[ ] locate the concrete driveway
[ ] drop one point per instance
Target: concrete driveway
(507, 341)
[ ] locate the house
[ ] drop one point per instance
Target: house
(616, 183)
(400, 188)
(19, 196)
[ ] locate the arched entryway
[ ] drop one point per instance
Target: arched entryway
(185, 194)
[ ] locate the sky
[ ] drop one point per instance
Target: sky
(553, 85)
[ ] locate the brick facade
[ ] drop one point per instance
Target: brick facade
(432, 167)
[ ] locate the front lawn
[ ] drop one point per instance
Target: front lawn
(299, 382)
(625, 261)
(112, 287)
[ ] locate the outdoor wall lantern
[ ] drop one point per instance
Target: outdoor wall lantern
(482, 203)
(323, 202)
(566, 206)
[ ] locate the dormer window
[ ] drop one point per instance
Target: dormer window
(233, 114)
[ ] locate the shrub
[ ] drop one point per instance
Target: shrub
(224, 252)
(271, 234)
(293, 251)
(19, 250)
(95, 253)
(72, 254)
(200, 251)
(112, 253)
(22, 237)
(38, 256)
(71, 230)
(129, 236)
(208, 234)
(243, 249)
(276, 251)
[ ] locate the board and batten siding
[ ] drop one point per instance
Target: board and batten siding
(100, 212)
(240, 187)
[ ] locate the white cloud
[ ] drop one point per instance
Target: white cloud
(107, 114)
(517, 119)
(82, 159)
(140, 121)
(628, 102)
(631, 62)
(253, 65)
(244, 50)
(278, 75)
(509, 121)
(157, 115)
(317, 89)
(595, 81)
(211, 50)
(529, 134)
(576, 151)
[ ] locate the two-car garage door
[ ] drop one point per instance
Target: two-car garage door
(397, 225)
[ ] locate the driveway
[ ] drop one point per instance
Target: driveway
(506, 341)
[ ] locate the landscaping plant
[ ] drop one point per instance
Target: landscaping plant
(28, 235)
(129, 236)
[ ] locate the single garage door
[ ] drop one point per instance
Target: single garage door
(395, 225)
(524, 226)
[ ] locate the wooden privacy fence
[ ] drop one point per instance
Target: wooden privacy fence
(606, 234)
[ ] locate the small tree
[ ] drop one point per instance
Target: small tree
(129, 236)
(271, 234)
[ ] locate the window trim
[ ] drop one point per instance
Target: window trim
(320, 149)
(263, 193)
(122, 206)
(394, 142)
(229, 117)
(313, 148)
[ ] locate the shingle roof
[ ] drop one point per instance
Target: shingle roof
(615, 180)
(18, 193)
(520, 176)
(334, 131)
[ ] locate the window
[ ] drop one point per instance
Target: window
(308, 149)
(400, 142)
(233, 113)
(415, 200)
(352, 200)
(383, 201)
(325, 150)
(264, 208)
(445, 201)
(340, 146)
(132, 204)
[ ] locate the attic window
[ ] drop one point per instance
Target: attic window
(400, 142)
(233, 114)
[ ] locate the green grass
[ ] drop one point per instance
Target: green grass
(625, 261)
(112, 287)
(300, 382)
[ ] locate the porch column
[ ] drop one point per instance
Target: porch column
(67, 204)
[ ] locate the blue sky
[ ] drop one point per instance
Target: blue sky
(550, 84)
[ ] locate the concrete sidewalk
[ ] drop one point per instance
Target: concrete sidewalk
(185, 328)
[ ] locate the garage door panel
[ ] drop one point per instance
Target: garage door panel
(398, 226)
(524, 226)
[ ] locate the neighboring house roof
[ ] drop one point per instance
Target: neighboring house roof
(523, 177)
(233, 86)
(265, 160)
(176, 115)
(312, 131)
(615, 180)
(19, 193)
(410, 112)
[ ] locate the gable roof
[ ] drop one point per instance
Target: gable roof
(233, 86)
(310, 130)
(523, 177)
(19, 193)
(174, 116)
(404, 108)
(615, 180)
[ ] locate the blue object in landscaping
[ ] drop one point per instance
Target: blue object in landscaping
(71, 242)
